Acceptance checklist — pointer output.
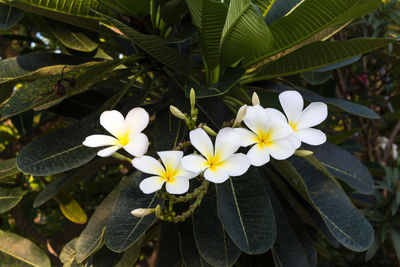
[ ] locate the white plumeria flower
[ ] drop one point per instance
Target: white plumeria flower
(172, 173)
(127, 133)
(268, 134)
(220, 163)
(301, 120)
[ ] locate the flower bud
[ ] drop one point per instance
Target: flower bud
(255, 100)
(142, 212)
(192, 97)
(240, 115)
(303, 153)
(209, 130)
(177, 113)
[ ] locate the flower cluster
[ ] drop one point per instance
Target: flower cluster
(268, 132)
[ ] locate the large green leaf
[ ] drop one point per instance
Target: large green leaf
(264, 5)
(310, 18)
(155, 47)
(40, 93)
(213, 15)
(91, 237)
(317, 55)
(9, 16)
(245, 33)
(195, 11)
(213, 242)
(278, 9)
(190, 253)
(67, 179)
(169, 254)
(348, 226)
(67, 254)
(246, 212)
(135, 7)
(8, 168)
(287, 250)
(344, 166)
(124, 229)
(18, 251)
(76, 12)
(72, 37)
(132, 254)
(9, 198)
(58, 151)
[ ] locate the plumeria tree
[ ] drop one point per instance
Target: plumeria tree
(179, 126)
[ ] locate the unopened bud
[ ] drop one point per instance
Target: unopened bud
(209, 130)
(142, 212)
(192, 97)
(240, 115)
(255, 100)
(303, 153)
(177, 113)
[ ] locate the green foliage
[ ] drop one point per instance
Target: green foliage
(66, 62)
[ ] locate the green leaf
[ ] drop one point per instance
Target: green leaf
(65, 180)
(136, 8)
(278, 9)
(317, 55)
(213, 242)
(213, 16)
(245, 33)
(308, 20)
(124, 229)
(316, 77)
(9, 16)
(169, 254)
(346, 223)
(287, 249)
(9, 198)
(91, 237)
(76, 12)
(264, 5)
(246, 213)
(72, 38)
(172, 12)
(195, 11)
(8, 168)
(344, 166)
(373, 249)
(16, 250)
(40, 93)
(190, 253)
(131, 255)
(73, 211)
(67, 255)
(58, 151)
(155, 47)
(395, 235)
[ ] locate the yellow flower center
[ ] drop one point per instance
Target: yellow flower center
(124, 139)
(169, 175)
(264, 139)
(293, 125)
(213, 162)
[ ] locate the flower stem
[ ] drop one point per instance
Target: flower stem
(119, 156)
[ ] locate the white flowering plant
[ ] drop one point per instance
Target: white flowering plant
(173, 125)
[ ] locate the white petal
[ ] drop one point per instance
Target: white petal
(278, 128)
(248, 137)
(292, 104)
(151, 184)
(216, 175)
(312, 115)
(258, 155)
(108, 151)
(237, 164)
(295, 140)
(256, 119)
(194, 163)
(181, 172)
(170, 159)
(276, 113)
(228, 141)
(178, 186)
(281, 149)
(136, 120)
(202, 142)
(97, 140)
(148, 164)
(311, 136)
(138, 144)
(113, 122)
